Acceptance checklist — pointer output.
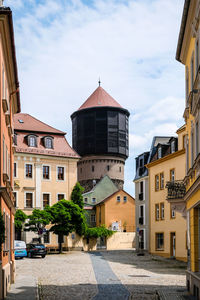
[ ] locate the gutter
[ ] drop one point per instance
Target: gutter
(182, 29)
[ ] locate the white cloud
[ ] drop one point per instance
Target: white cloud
(64, 46)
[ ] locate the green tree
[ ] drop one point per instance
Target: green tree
(96, 232)
(20, 218)
(76, 195)
(2, 230)
(38, 220)
(66, 218)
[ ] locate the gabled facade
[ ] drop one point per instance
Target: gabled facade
(10, 104)
(167, 228)
(45, 168)
(188, 53)
(142, 202)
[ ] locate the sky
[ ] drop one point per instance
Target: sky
(64, 46)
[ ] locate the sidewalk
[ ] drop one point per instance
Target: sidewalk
(24, 288)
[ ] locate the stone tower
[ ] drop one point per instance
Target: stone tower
(100, 136)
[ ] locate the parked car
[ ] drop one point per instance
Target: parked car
(20, 249)
(36, 250)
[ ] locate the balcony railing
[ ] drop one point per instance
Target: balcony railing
(141, 220)
(141, 196)
(175, 189)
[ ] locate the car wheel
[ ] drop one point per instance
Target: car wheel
(29, 255)
(21, 257)
(43, 256)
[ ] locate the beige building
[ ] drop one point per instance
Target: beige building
(45, 168)
(167, 226)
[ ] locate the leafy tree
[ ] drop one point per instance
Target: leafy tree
(66, 218)
(38, 219)
(76, 195)
(2, 230)
(20, 218)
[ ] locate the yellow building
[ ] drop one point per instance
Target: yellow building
(167, 227)
(117, 212)
(188, 53)
(45, 168)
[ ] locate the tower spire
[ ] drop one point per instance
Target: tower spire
(99, 82)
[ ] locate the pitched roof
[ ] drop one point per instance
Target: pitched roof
(28, 125)
(99, 98)
(26, 122)
(115, 193)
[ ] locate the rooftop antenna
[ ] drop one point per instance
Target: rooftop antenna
(99, 82)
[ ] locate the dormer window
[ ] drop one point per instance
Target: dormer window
(48, 142)
(32, 141)
(159, 152)
(15, 139)
(172, 146)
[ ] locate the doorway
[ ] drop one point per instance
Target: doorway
(173, 244)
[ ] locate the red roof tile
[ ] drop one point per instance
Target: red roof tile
(27, 122)
(99, 98)
(32, 125)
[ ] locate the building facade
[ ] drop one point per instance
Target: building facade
(142, 202)
(100, 137)
(45, 168)
(188, 53)
(167, 228)
(10, 104)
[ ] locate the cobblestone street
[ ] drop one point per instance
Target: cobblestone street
(99, 275)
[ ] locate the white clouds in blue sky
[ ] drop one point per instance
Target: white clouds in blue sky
(64, 46)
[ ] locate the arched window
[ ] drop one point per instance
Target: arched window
(48, 142)
(32, 141)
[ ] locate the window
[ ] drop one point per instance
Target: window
(187, 87)
(92, 168)
(159, 241)
(46, 198)
(46, 172)
(118, 198)
(184, 141)
(173, 146)
(162, 211)
(29, 171)
(173, 213)
(108, 168)
(192, 71)
(93, 218)
(157, 182)
(46, 237)
(141, 186)
(197, 137)
(197, 56)
(60, 173)
(141, 214)
(93, 200)
(192, 148)
(32, 141)
(48, 142)
(172, 175)
(85, 200)
(15, 139)
(157, 212)
(15, 199)
(60, 197)
(4, 159)
(15, 170)
(159, 152)
(125, 199)
(29, 200)
(161, 181)
(120, 169)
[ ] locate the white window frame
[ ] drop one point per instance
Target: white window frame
(46, 165)
(16, 198)
(15, 177)
(60, 180)
(91, 218)
(125, 197)
(159, 152)
(43, 198)
(95, 200)
(143, 213)
(162, 213)
(33, 199)
(59, 194)
(84, 200)
(28, 163)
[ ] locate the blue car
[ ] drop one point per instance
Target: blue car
(20, 249)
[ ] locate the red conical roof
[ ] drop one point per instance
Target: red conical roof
(99, 98)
